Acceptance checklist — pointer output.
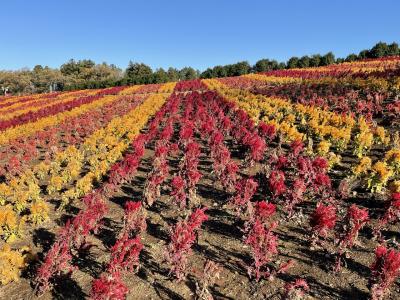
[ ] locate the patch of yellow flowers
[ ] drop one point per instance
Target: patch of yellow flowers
(11, 263)
(11, 226)
(381, 173)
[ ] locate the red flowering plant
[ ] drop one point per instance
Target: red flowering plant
(239, 132)
(392, 214)
(125, 255)
(109, 287)
(305, 169)
(178, 191)
(384, 271)
(295, 195)
(57, 260)
(193, 176)
(276, 183)
(189, 170)
(320, 164)
(224, 168)
(207, 127)
(118, 174)
(322, 220)
(322, 182)
(216, 141)
(160, 171)
(88, 220)
(257, 147)
(138, 145)
(174, 149)
(355, 219)
(296, 148)
(191, 156)
(14, 166)
(266, 131)
(229, 177)
(281, 162)
(263, 244)
(244, 191)
(73, 235)
(262, 211)
(186, 133)
(182, 237)
(226, 125)
(166, 133)
(296, 290)
(134, 219)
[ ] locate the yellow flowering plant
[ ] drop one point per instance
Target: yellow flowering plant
(381, 173)
(39, 212)
(11, 263)
(363, 167)
(11, 227)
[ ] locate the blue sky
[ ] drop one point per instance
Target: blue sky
(188, 33)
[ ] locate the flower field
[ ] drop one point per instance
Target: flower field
(277, 185)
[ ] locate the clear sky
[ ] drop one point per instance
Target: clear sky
(188, 33)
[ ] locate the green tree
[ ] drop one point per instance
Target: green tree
(379, 50)
(264, 65)
(393, 49)
(293, 62)
(70, 68)
(327, 59)
(363, 54)
(281, 66)
(188, 73)
(304, 62)
(208, 73)
(139, 73)
(220, 71)
(315, 60)
(173, 74)
(160, 76)
(238, 69)
(351, 57)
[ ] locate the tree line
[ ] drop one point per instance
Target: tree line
(86, 74)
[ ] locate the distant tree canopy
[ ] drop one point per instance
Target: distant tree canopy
(82, 74)
(237, 69)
